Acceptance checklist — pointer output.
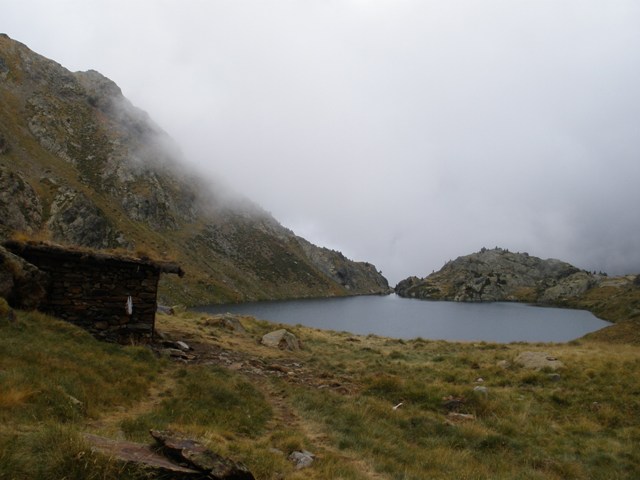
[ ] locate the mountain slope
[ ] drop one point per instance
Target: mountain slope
(79, 164)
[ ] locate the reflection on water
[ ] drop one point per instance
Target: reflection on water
(393, 316)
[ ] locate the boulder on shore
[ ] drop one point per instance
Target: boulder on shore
(281, 339)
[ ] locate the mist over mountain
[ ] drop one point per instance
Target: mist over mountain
(403, 133)
(81, 165)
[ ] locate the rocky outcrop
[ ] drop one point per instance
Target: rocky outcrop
(177, 458)
(81, 165)
(360, 277)
(75, 220)
(569, 287)
(22, 284)
(20, 206)
(500, 275)
(184, 450)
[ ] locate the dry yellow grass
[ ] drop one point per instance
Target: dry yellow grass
(531, 424)
(334, 397)
(14, 397)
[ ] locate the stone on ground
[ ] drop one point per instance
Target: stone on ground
(538, 361)
(281, 339)
(197, 456)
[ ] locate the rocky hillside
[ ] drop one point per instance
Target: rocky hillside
(500, 275)
(80, 165)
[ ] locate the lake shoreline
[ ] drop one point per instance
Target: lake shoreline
(397, 317)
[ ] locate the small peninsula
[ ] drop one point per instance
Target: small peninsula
(498, 275)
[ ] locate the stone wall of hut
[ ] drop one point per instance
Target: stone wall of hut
(92, 291)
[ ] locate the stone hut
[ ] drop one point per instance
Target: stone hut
(112, 296)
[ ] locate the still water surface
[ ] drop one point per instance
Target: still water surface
(393, 316)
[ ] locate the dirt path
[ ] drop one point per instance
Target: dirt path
(262, 368)
(109, 423)
(285, 416)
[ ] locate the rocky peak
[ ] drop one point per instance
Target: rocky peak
(98, 85)
(499, 275)
(500, 261)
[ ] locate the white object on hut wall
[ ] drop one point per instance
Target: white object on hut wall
(129, 305)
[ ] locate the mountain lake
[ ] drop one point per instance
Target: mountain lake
(397, 317)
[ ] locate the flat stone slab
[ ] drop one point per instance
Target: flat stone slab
(538, 361)
(196, 455)
(141, 455)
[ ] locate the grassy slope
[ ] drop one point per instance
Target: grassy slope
(334, 398)
(618, 301)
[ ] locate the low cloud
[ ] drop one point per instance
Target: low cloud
(403, 133)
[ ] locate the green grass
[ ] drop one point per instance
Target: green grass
(44, 362)
(528, 426)
(337, 402)
(46, 368)
(56, 452)
(205, 401)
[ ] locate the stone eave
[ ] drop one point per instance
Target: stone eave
(78, 254)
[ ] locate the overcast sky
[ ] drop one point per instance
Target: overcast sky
(401, 132)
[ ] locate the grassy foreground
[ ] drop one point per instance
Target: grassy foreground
(334, 397)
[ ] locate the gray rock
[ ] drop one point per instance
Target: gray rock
(131, 453)
(360, 277)
(227, 321)
(302, 459)
(165, 310)
(554, 377)
(20, 206)
(503, 364)
(75, 219)
(176, 353)
(22, 284)
(481, 390)
(197, 456)
(460, 417)
(538, 361)
(77, 404)
(183, 346)
(281, 339)
(568, 287)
